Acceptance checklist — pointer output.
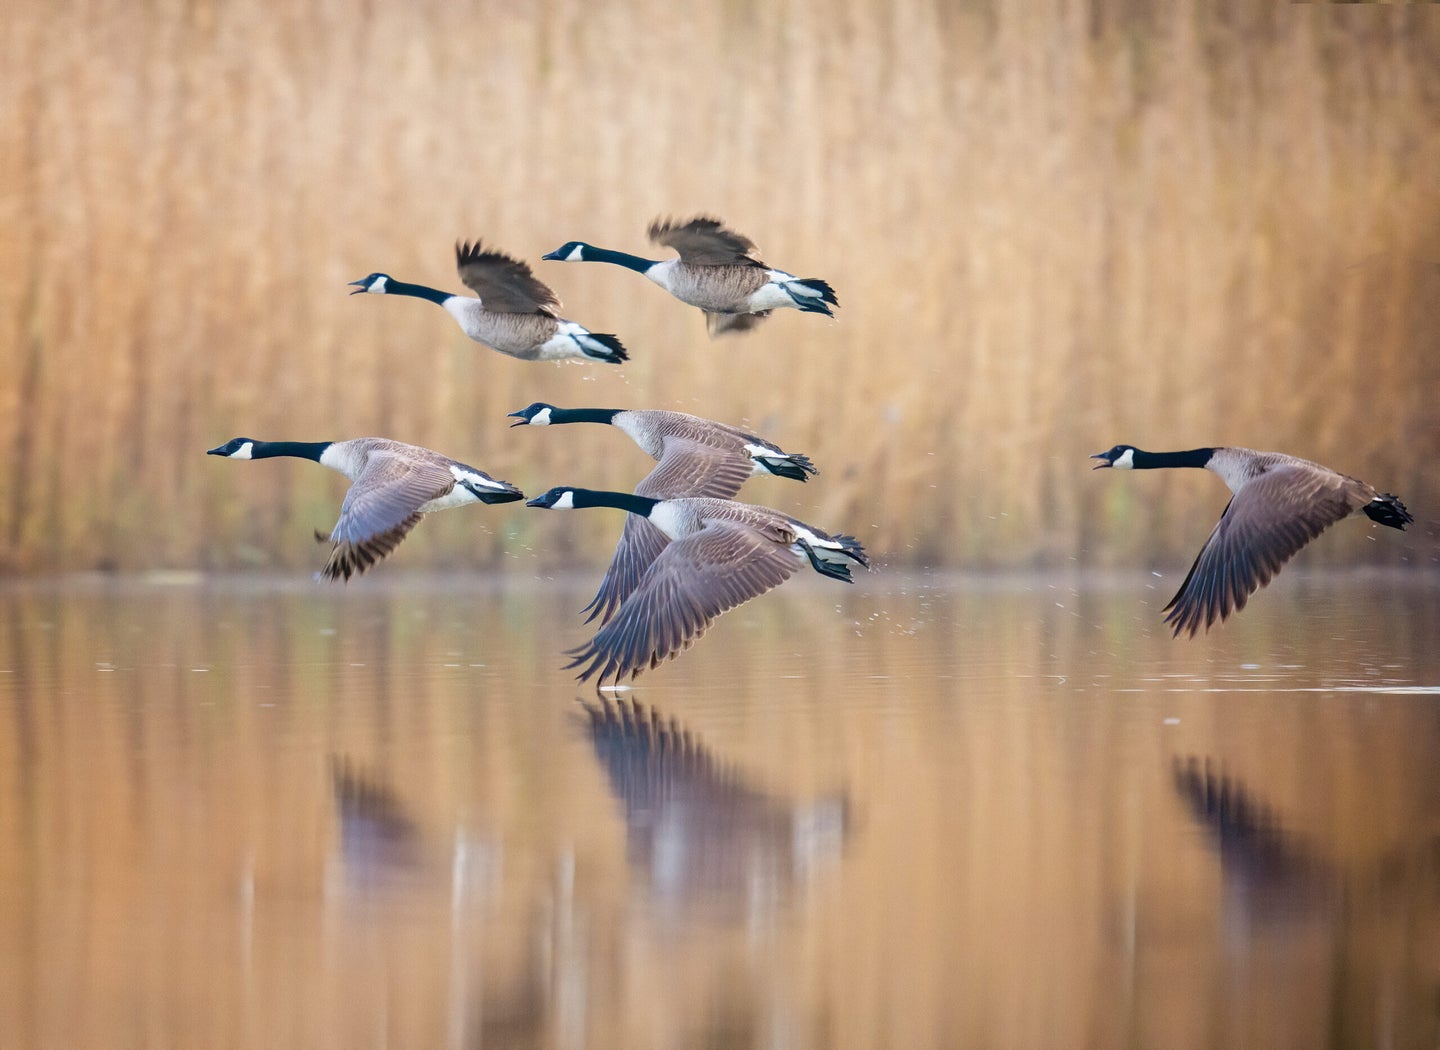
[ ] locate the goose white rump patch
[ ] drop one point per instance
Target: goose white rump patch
(461, 474)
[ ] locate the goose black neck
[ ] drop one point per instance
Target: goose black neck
(641, 505)
(419, 291)
(1195, 457)
(630, 262)
(299, 449)
(583, 415)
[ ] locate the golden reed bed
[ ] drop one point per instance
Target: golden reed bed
(1049, 230)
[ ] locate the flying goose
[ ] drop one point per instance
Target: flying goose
(1280, 503)
(695, 457)
(717, 271)
(394, 486)
(720, 554)
(650, 428)
(515, 312)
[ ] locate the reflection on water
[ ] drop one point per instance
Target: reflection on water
(1266, 869)
(378, 840)
(924, 813)
(697, 833)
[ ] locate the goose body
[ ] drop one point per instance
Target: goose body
(512, 311)
(1279, 504)
(717, 271)
(393, 486)
(718, 554)
(719, 448)
(694, 457)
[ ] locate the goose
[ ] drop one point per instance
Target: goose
(394, 486)
(720, 554)
(1279, 504)
(515, 312)
(717, 271)
(651, 428)
(695, 457)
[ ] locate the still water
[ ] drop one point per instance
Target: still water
(923, 812)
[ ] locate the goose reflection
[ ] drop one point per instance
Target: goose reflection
(383, 850)
(379, 842)
(704, 839)
(1322, 918)
(1273, 871)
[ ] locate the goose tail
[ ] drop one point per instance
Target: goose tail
(1388, 510)
(813, 296)
(833, 562)
(793, 466)
(510, 495)
(603, 347)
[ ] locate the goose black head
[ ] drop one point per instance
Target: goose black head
(235, 448)
(561, 497)
(570, 251)
(1121, 457)
(375, 283)
(536, 415)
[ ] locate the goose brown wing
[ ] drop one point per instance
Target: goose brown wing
(640, 544)
(705, 242)
(686, 468)
(504, 285)
(717, 324)
(1263, 526)
(694, 580)
(382, 506)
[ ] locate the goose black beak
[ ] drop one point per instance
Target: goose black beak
(551, 255)
(1101, 466)
(219, 451)
(536, 502)
(358, 290)
(517, 415)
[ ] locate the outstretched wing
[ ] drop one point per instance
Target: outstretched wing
(704, 241)
(380, 509)
(694, 580)
(693, 468)
(504, 285)
(686, 468)
(640, 544)
(1270, 519)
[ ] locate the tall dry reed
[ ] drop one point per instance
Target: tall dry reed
(1051, 228)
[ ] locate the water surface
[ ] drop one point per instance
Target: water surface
(920, 812)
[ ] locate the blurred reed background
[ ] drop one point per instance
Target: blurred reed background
(1052, 228)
